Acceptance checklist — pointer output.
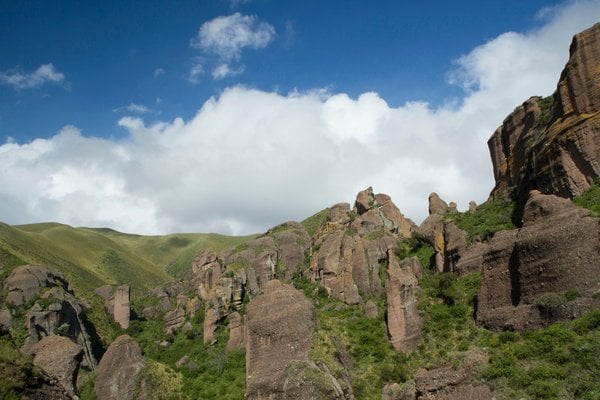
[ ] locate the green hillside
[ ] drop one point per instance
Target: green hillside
(91, 257)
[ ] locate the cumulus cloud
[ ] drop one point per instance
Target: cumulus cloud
(225, 38)
(250, 159)
(17, 79)
(196, 72)
(159, 72)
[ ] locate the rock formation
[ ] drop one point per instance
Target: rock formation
(404, 323)
(26, 282)
(521, 267)
(117, 303)
(117, 376)
(553, 145)
(60, 358)
(279, 329)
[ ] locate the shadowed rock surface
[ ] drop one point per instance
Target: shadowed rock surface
(25, 283)
(522, 267)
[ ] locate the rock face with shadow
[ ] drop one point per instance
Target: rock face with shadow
(545, 271)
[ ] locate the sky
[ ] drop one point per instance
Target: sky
(233, 116)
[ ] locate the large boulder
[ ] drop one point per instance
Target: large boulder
(25, 283)
(279, 330)
(60, 358)
(117, 376)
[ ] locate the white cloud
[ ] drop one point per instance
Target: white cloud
(227, 36)
(17, 79)
(237, 3)
(133, 108)
(159, 72)
(224, 70)
(196, 72)
(250, 159)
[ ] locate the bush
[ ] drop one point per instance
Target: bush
(488, 218)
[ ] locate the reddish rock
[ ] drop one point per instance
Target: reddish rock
(279, 330)
(122, 310)
(556, 151)
(174, 320)
(365, 200)
(236, 332)
(404, 323)
(521, 265)
(117, 376)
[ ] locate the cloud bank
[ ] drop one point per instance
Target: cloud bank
(250, 159)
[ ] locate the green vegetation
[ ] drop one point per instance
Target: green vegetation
(559, 362)
(16, 370)
(416, 246)
(488, 218)
(590, 199)
(545, 104)
(209, 373)
(314, 223)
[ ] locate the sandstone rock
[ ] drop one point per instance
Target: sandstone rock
(403, 320)
(211, 317)
(122, 310)
(25, 282)
(279, 329)
(174, 320)
(471, 259)
(556, 151)
(338, 214)
(365, 200)
(118, 372)
(60, 313)
(236, 332)
(521, 265)
(60, 358)
(437, 206)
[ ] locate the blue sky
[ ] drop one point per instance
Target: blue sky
(232, 116)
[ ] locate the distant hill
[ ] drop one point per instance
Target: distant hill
(92, 257)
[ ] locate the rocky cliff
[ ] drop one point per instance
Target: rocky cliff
(553, 144)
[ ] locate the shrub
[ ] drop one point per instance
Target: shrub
(488, 218)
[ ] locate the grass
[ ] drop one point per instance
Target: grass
(313, 223)
(590, 199)
(489, 218)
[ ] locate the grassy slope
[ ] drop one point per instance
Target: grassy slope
(93, 257)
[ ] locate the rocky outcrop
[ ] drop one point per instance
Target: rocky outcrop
(26, 282)
(60, 358)
(236, 332)
(117, 376)
(121, 310)
(117, 303)
(58, 312)
(5, 321)
(449, 242)
(553, 144)
(523, 269)
(404, 323)
(279, 330)
(445, 382)
(350, 250)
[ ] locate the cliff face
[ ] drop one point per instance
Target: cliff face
(553, 144)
